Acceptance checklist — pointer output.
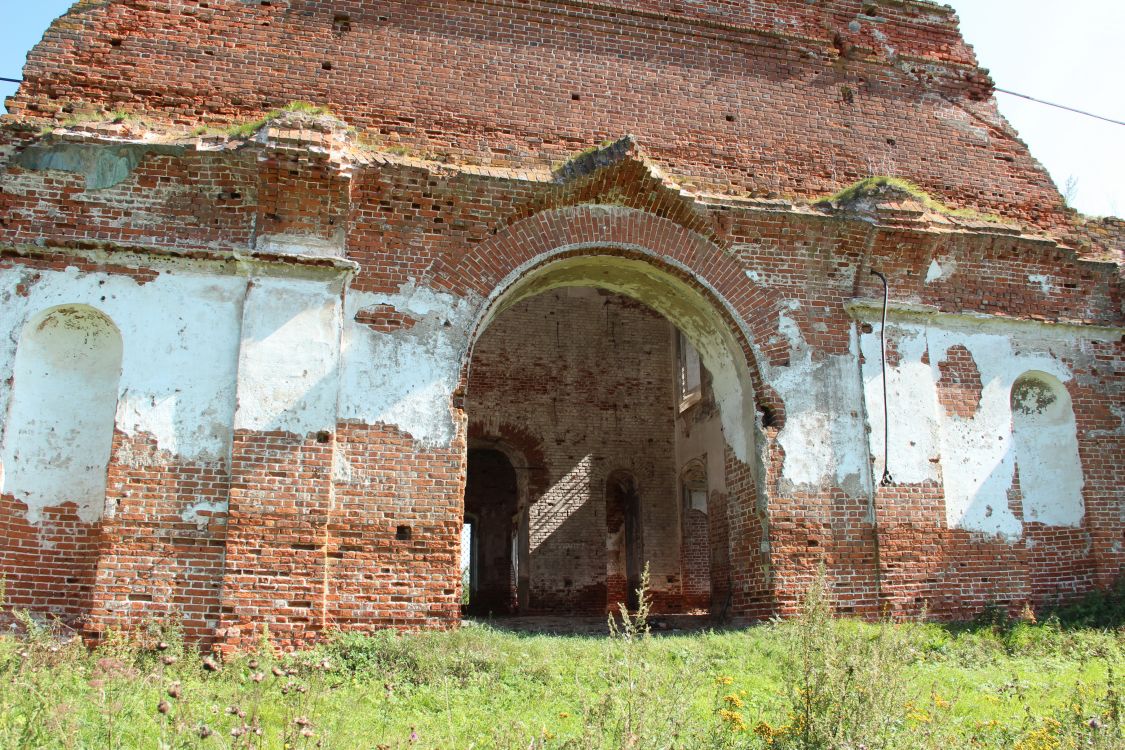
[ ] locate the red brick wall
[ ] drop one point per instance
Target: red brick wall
(588, 377)
(48, 568)
(959, 387)
(375, 578)
(163, 544)
(696, 559)
(796, 99)
(276, 547)
(277, 540)
(312, 535)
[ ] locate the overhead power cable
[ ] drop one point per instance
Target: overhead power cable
(997, 88)
(1059, 106)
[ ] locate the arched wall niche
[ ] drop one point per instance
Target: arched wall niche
(1045, 441)
(701, 315)
(697, 547)
(60, 424)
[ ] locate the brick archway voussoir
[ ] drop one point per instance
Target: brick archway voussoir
(493, 266)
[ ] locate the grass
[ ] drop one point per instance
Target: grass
(814, 682)
(247, 129)
(870, 186)
(84, 115)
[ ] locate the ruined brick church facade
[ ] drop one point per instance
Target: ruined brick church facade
(564, 271)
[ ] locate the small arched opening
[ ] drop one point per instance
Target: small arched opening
(492, 534)
(696, 532)
(55, 456)
(625, 559)
(1045, 441)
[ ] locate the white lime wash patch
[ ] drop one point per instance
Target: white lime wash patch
(1043, 281)
(201, 513)
(914, 408)
(940, 270)
(59, 430)
(1046, 447)
(823, 436)
(975, 457)
(405, 378)
(180, 337)
(287, 371)
(302, 245)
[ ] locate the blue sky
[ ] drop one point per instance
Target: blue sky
(1067, 52)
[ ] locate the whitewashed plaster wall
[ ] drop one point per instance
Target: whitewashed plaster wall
(288, 365)
(823, 437)
(406, 378)
(206, 351)
(702, 439)
(1046, 449)
(180, 338)
(974, 459)
(60, 424)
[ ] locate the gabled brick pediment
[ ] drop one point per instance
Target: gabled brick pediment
(618, 173)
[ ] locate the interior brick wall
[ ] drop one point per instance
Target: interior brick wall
(492, 498)
(588, 376)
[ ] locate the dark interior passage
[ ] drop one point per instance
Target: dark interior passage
(491, 505)
(606, 403)
(623, 539)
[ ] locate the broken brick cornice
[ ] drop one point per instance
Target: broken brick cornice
(417, 84)
(111, 256)
(617, 173)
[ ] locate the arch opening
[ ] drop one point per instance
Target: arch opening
(698, 316)
(621, 375)
(492, 520)
(1045, 442)
(624, 539)
(56, 451)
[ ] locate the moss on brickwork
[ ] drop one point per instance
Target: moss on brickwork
(881, 186)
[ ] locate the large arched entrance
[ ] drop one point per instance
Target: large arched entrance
(621, 373)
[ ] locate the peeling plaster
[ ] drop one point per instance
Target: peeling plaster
(200, 513)
(180, 335)
(289, 359)
(938, 271)
(1043, 281)
(1118, 411)
(101, 165)
(59, 430)
(974, 458)
(305, 245)
(406, 378)
(915, 435)
(821, 399)
(1046, 450)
